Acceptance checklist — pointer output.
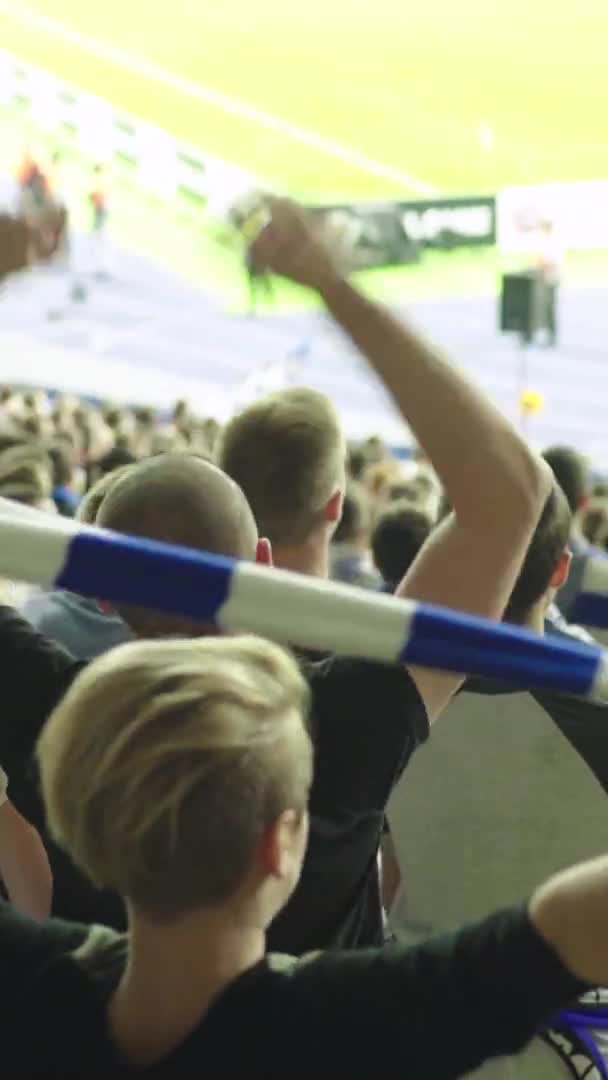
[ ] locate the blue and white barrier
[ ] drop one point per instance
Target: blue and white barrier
(306, 612)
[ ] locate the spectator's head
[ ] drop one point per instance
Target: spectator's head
(400, 532)
(10, 435)
(189, 792)
(287, 453)
(571, 472)
(180, 499)
(90, 505)
(116, 458)
(545, 569)
(354, 525)
(25, 476)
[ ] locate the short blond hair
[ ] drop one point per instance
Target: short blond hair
(166, 761)
(25, 474)
(288, 454)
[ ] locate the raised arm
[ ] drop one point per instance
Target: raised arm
(443, 1007)
(24, 864)
(495, 484)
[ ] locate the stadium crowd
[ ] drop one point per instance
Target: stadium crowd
(207, 818)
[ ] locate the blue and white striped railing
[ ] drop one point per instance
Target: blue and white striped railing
(306, 612)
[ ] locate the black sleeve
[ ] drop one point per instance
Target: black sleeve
(584, 724)
(440, 1009)
(26, 947)
(368, 718)
(35, 673)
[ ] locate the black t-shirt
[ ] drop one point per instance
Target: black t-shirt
(431, 1012)
(367, 720)
(583, 722)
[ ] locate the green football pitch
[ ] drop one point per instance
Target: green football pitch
(346, 98)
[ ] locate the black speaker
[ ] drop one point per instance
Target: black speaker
(521, 303)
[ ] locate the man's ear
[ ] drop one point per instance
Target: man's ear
(333, 508)
(560, 574)
(263, 552)
(282, 845)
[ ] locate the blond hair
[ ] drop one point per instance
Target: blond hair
(25, 474)
(288, 454)
(166, 761)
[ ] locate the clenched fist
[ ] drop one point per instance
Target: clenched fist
(292, 244)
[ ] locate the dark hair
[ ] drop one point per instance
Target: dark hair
(116, 458)
(546, 547)
(400, 532)
(355, 515)
(571, 473)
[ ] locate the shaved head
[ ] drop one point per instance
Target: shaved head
(179, 499)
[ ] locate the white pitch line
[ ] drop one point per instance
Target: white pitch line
(129, 61)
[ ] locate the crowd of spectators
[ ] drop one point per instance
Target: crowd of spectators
(205, 816)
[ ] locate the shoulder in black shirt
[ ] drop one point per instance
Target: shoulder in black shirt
(434, 1011)
(36, 672)
(368, 718)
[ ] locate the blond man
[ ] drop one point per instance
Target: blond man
(288, 453)
(188, 795)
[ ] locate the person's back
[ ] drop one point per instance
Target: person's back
(495, 800)
(511, 787)
(76, 622)
(188, 797)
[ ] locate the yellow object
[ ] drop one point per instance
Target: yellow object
(531, 401)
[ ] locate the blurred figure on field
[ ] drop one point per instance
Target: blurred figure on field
(32, 183)
(548, 264)
(99, 207)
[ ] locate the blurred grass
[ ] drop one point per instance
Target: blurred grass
(185, 240)
(410, 86)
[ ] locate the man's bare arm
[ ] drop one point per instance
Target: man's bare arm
(496, 485)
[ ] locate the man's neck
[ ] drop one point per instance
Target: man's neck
(174, 973)
(535, 619)
(311, 558)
